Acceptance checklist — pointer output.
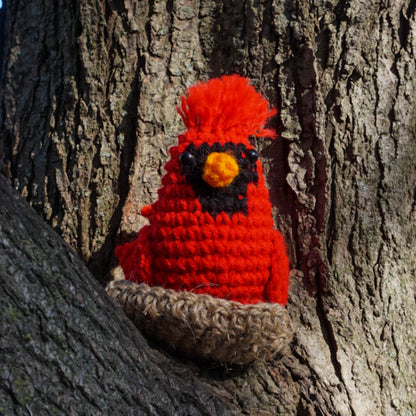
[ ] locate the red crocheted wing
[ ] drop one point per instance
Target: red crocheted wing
(278, 284)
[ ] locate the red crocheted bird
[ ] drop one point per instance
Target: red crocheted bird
(211, 230)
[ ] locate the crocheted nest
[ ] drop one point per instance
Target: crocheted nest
(204, 326)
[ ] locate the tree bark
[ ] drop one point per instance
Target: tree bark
(64, 348)
(88, 112)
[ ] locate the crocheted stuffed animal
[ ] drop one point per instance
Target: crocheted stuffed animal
(211, 230)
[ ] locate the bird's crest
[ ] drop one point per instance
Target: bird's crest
(226, 104)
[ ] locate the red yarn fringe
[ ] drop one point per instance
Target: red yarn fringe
(226, 104)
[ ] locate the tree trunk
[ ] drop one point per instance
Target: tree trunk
(64, 348)
(87, 114)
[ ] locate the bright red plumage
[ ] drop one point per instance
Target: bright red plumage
(219, 241)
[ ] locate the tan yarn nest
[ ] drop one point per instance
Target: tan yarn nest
(204, 326)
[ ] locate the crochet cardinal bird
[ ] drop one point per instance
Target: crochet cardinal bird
(211, 230)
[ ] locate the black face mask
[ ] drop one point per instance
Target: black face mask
(230, 199)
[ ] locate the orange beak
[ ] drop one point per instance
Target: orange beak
(220, 169)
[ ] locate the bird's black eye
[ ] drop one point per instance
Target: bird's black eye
(186, 158)
(252, 155)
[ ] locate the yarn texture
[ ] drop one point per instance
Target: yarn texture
(220, 169)
(211, 229)
(204, 326)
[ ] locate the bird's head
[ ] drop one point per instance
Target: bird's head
(215, 154)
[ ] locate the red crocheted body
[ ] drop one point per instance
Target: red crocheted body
(231, 257)
(208, 240)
